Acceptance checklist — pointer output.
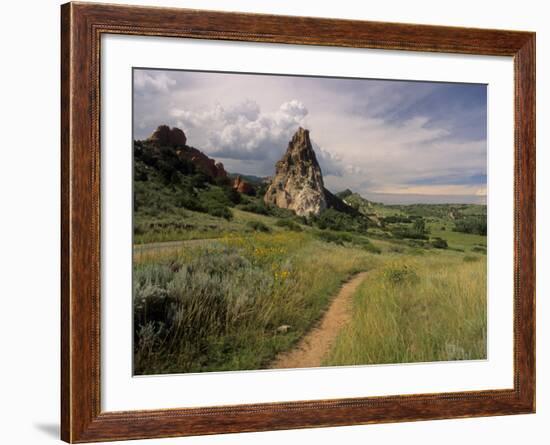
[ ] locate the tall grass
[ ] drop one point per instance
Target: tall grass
(218, 306)
(417, 310)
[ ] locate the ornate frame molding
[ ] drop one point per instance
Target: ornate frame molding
(82, 26)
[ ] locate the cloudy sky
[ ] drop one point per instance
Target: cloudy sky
(391, 141)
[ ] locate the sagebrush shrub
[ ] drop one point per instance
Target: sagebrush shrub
(400, 274)
(289, 224)
(258, 226)
(179, 306)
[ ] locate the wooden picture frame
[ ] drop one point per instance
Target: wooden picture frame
(82, 26)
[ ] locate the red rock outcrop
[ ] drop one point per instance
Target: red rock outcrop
(164, 136)
(168, 137)
(177, 137)
(242, 186)
(202, 162)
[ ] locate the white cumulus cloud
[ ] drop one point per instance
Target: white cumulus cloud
(374, 137)
(152, 80)
(243, 131)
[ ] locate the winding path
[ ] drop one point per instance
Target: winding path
(316, 344)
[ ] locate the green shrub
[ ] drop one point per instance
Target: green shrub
(334, 220)
(400, 274)
(334, 237)
(439, 243)
(418, 243)
(364, 243)
(479, 249)
(344, 237)
(472, 224)
(369, 247)
(393, 219)
(302, 220)
(214, 196)
(255, 206)
(199, 181)
(190, 201)
(401, 232)
(232, 195)
(419, 226)
(258, 226)
(281, 213)
(288, 224)
(396, 249)
(220, 212)
(470, 258)
(164, 160)
(224, 182)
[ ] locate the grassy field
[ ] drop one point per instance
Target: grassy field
(196, 225)
(218, 306)
(236, 301)
(457, 240)
(417, 309)
(223, 282)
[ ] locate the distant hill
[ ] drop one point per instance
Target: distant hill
(356, 201)
(451, 211)
(255, 180)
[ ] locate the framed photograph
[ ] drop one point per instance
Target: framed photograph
(274, 222)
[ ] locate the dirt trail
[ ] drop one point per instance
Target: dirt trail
(317, 343)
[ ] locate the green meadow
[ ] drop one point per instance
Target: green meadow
(213, 297)
(225, 282)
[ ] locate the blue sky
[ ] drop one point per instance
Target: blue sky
(391, 141)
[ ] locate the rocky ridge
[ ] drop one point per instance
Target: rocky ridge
(164, 136)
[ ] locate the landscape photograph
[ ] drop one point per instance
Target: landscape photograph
(286, 221)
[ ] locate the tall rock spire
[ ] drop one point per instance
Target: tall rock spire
(298, 181)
